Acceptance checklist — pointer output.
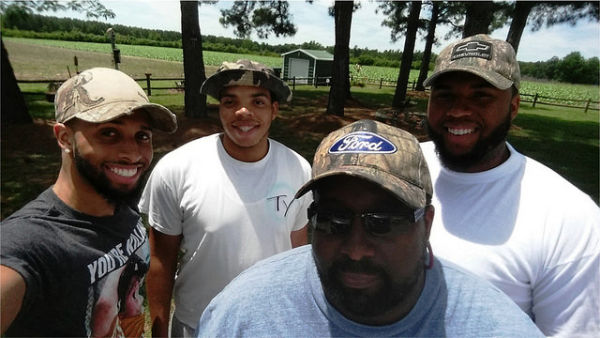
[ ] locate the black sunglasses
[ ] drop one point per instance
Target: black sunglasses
(375, 223)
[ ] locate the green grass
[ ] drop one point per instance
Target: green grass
(562, 91)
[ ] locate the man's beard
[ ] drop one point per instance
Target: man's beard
(362, 303)
(98, 180)
(477, 154)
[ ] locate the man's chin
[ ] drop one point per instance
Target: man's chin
(127, 195)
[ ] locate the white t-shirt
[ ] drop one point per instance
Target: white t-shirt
(528, 231)
(231, 213)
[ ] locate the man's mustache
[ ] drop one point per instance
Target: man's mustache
(347, 265)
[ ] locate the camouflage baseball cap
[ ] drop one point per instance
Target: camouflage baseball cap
(100, 95)
(379, 153)
(491, 59)
(246, 73)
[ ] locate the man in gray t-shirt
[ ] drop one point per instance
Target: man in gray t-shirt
(370, 270)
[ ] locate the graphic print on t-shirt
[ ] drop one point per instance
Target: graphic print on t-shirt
(115, 305)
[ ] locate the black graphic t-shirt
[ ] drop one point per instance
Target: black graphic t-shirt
(84, 274)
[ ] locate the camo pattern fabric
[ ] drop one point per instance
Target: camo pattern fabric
(100, 95)
(491, 59)
(380, 153)
(246, 73)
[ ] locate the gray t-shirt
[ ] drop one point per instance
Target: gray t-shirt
(282, 296)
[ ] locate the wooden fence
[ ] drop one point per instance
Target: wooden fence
(560, 102)
(178, 84)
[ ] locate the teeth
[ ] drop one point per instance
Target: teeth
(124, 172)
(245, 128)
(460, 131)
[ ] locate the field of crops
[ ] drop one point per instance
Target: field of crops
(161, 53)
(371, 74)
(568, 93)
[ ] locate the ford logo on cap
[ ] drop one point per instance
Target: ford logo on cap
(362, 142)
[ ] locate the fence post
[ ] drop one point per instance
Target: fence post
(535, 98)
(294, 83)
(315, 81)
(149, 88)
(380, 82)
(587, 105)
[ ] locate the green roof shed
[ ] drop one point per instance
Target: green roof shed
(307, 66)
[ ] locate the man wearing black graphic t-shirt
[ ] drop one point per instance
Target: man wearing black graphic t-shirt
(73, 260)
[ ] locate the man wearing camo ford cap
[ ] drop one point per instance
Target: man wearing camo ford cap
(224, 200)
(503, 215)
(64, 253)
(370, 271)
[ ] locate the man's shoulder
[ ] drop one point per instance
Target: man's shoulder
(190, 154)
(460, 280)
(483, 304)
(34, 209)
(192, 146)
(546, 183)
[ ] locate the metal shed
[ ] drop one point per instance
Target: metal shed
(307, 66)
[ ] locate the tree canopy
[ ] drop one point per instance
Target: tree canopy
(263, 17)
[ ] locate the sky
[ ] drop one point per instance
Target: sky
(314, 24)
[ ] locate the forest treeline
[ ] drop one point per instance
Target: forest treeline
(573, 68)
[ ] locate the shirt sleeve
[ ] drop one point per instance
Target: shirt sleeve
(160, 201)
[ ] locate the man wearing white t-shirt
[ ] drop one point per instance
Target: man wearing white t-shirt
(503, 215)
(221, 203)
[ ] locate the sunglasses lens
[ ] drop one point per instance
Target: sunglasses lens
(331, 223)
(378, 224)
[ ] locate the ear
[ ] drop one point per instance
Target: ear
(64, 137)
(515, 101)
(428, 219)
(275, 110)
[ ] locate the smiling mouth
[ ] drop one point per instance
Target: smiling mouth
(124, 172)
(460, 132)
(245, 128)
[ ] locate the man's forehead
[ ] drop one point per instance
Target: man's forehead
(450, 78)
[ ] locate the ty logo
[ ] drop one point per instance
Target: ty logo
(280, 203)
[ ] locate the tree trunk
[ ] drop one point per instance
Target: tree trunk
(478, 18)
(407, 54)
(13, 107)
(518, 23)
(435, 12)
(193, 63)
(340, 77)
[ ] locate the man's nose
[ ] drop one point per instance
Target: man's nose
(460, 107)
(357, 245)
(243, 111)
(130, 151)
